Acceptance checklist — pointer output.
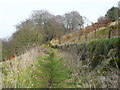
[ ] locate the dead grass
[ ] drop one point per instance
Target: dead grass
(14, 71)
(86, 37)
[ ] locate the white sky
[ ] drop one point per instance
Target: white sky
(13, 12)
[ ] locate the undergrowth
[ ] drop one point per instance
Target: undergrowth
(95, 64)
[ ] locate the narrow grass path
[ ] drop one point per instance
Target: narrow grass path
(49, 72)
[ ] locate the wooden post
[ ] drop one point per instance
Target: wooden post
(86, 35)
(59, 38)
(95, 33)
(109, 33)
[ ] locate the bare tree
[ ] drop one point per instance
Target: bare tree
(73, 20)
(41, 17)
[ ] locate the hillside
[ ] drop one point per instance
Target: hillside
(88, 34)
(58, 51)
(90, 65)
(75, 63)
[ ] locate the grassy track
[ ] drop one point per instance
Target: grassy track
(49, 72)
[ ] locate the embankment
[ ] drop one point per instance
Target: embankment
(94, 64)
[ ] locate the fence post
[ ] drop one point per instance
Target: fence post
(109, 33)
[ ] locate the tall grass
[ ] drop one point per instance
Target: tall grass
(14, 72)
(85, 66)
(94, 65)
(45, 71)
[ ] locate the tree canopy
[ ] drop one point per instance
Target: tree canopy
(41, 27)
(113, 14)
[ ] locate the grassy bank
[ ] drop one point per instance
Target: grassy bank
(47, 71)
(86, 35)
(95, 64)
(92, 65)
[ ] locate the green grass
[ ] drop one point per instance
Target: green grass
(53, 71)
(50, 72)
(100, 67)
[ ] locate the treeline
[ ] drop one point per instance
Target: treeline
(113, 13)
(41, 27)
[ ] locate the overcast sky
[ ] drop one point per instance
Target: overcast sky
(13, 12)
